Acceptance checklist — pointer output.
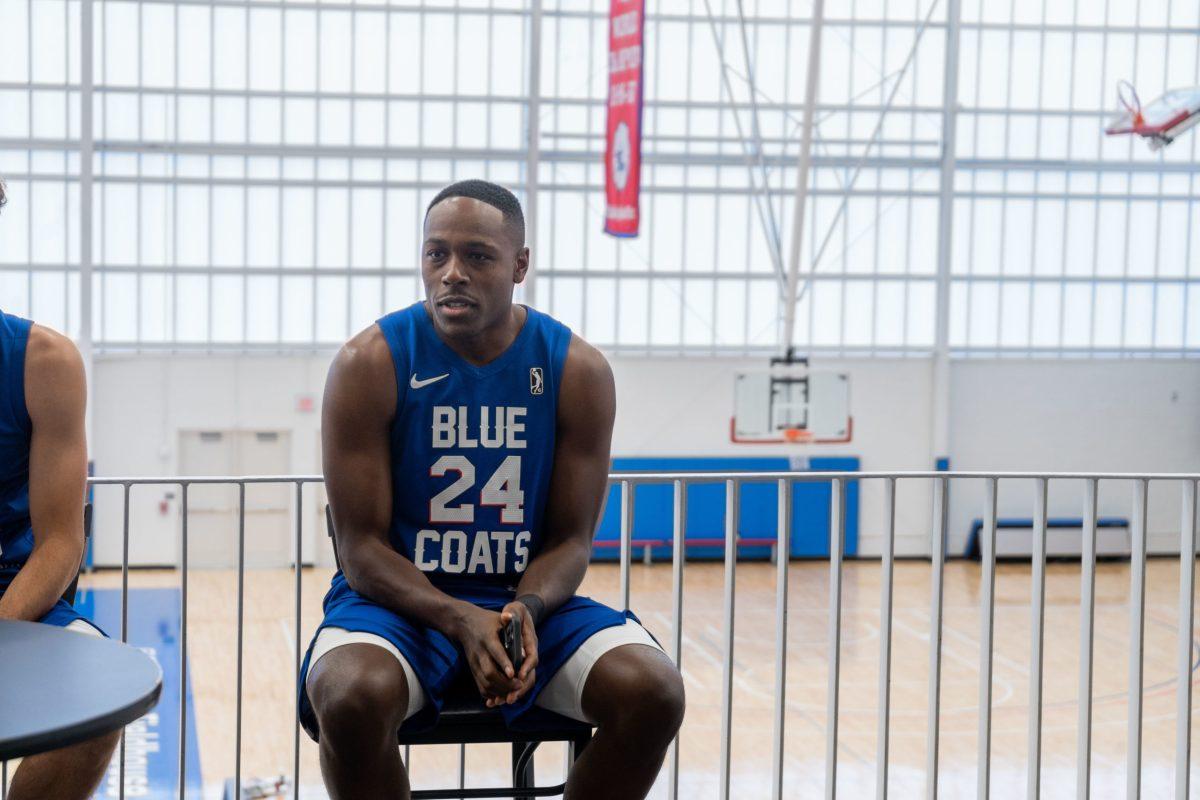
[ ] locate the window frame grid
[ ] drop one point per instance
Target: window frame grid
(693, 154)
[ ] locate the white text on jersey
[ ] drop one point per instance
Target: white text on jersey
(487, 553)
(494, 426)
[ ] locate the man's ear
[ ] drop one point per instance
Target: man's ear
(522, 265)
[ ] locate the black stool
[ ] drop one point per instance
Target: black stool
(466, 720)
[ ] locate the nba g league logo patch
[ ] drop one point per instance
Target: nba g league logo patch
(536, 384)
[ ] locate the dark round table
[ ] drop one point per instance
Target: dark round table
(59, 687)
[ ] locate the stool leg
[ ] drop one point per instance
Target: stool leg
(522, 757)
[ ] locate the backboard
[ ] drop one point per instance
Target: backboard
(789, 403)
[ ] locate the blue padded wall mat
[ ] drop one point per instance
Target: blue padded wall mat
(706, 507)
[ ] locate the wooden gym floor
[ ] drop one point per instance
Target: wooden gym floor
(269, 678)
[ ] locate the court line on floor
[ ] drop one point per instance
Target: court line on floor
(152, 742)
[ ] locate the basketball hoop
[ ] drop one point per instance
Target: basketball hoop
(789, 403)
(797, 436)
(1160, 122)
(1127, 96)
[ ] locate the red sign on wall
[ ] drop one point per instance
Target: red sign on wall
(623, 156)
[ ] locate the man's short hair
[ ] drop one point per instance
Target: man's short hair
(494, 195)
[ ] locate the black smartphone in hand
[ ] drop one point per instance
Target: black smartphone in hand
(512, 642)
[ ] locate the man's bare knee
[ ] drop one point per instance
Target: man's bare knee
(358, 693)
(639, 690)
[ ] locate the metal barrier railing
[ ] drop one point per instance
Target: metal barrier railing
(733, 482)
(184, 483)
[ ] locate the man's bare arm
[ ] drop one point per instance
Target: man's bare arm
(360, 401)
(587, 407)
(55, 396)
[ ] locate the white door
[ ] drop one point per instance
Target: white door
(212, 509)
(270, 535)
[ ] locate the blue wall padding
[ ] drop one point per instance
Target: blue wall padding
(652, 511)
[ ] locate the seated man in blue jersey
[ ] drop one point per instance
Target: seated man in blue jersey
(466, 447)
(43, 471)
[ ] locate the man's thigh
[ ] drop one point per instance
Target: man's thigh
(61, 615)
(425, 657)
(64, 616)
(331, 654)
(563, 694)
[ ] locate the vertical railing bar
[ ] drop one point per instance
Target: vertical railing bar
(407, 753)
(937, 562)
(1137, 610)
(836, 530)
(1037, 625)
(124, 618)
(462, 766)
(885, 638)
(125, 563)
(1087, 611)
(626, 540)
(1187, 585)
(678, 555)
(241, 580)
(731, 530)
(296, 664)
(783, 541)
(183, 651)
(987, 612)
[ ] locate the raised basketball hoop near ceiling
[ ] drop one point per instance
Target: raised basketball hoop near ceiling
(1160, 122)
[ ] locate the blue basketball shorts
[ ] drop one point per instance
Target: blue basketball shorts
(62, 615)
(435, 661)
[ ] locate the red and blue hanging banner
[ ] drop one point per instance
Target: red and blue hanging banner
(623, 153)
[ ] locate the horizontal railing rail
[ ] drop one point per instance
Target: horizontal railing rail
(704, 477)
(941, 483)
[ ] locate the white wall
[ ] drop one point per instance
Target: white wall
(1096, 416)
(142, 404)
(1047, 415)
(673, 406)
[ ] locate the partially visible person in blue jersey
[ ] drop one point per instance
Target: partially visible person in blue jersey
(43, 471)
(466, 446)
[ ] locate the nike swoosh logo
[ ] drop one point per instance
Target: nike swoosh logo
(416, 384)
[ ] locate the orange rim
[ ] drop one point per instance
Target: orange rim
(796, 435)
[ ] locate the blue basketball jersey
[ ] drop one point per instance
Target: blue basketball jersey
(16, 530)
(472, 451)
